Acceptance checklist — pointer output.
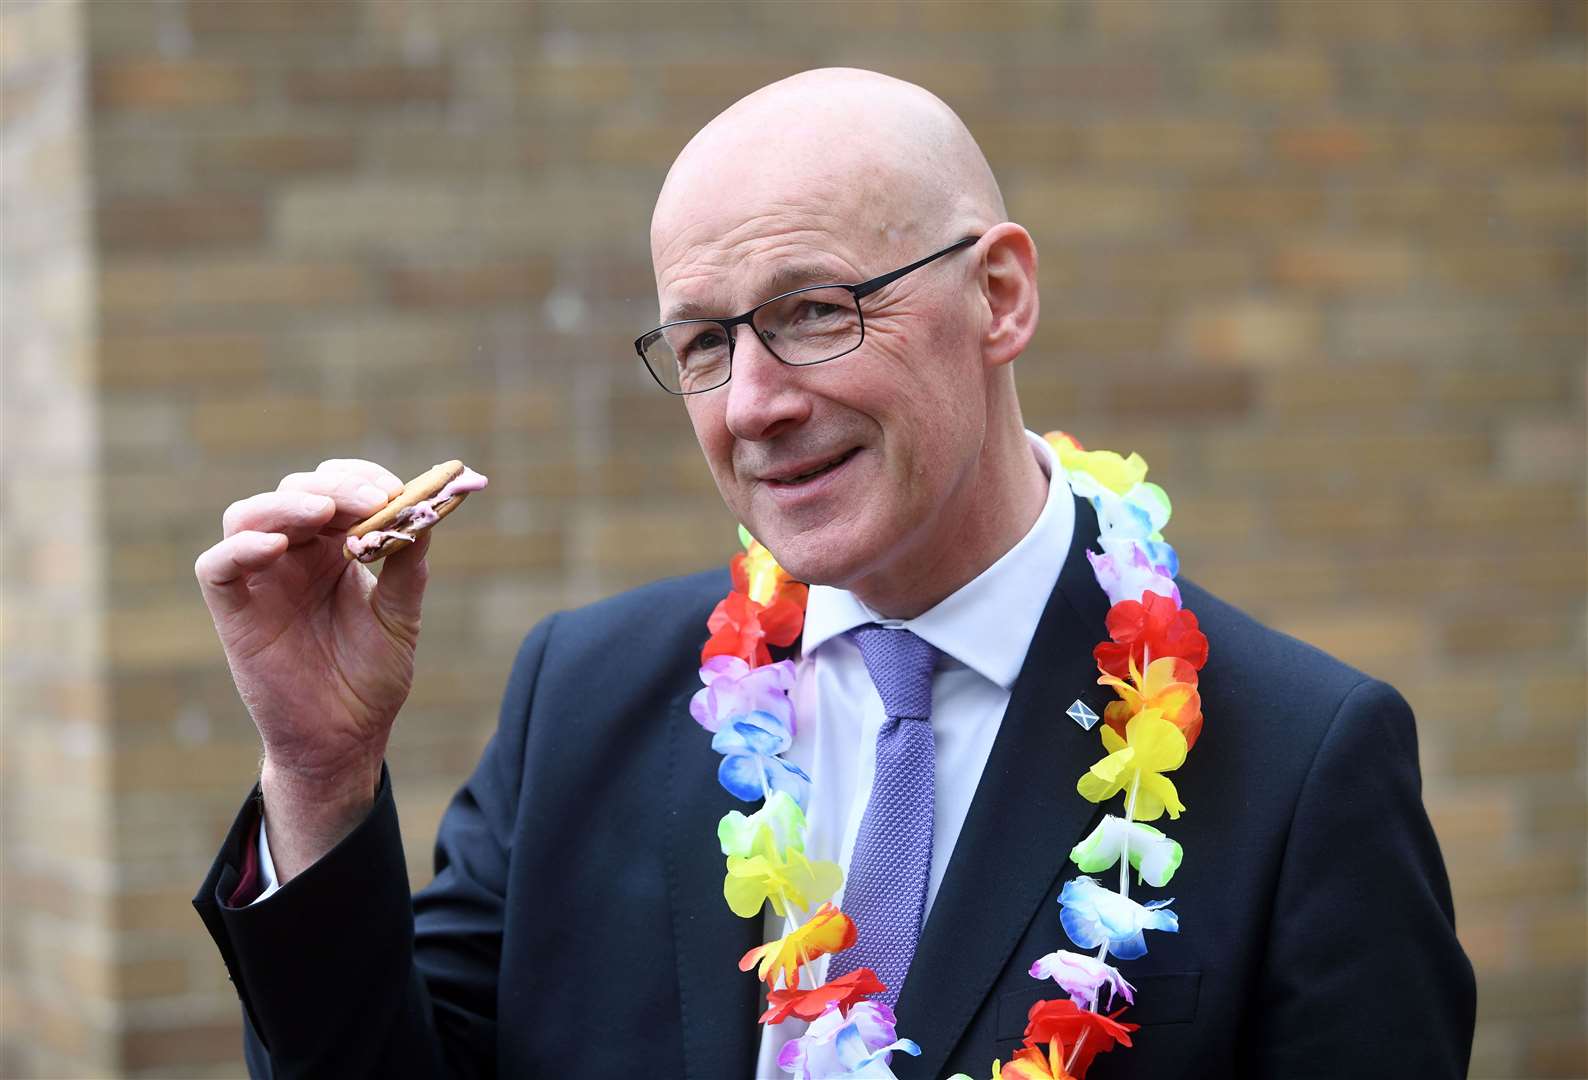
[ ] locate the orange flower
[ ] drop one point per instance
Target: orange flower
(1168, 685)
(1031, 1064)
(827, 931)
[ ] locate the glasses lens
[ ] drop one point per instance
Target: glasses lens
(811, 325)
(687, 357)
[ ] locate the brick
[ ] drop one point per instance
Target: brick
(1487, 387)
(279, 17)
(1499, 268)
(1251, 331)
(473, 284)
(215, 360)
(1459, 505)
(266, 157)
(186, 222)
(1336, 144)
(1448, 206)
(171, 84)
(1344, 265)
(724, 79)
(237, 425)
(1489, 636)
(148, 292)
(1190, 397)
(373, 86)
(1556, 937)
(583, 84)
(1546, 84)
(1543, 199)
(1379, 641)
(1170, 143)
(638, 142)
(1081, 209)
(1352, 391)
(1476, 143)
(160, 1048)
(1055, 87)
(1012, 141)
(1327, 458)
(1259, 77)
(1238, 209)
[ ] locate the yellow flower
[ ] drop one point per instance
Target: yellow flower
(783, 878)
(1151, 746)
(1115, 473)
(827, 931)
(766, 576)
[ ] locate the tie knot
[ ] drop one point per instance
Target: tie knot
(901, 668)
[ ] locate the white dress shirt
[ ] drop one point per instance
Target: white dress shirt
(982, 631)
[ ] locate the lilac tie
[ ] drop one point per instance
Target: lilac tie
(885, 890)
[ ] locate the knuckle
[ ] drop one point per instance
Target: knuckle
(294, 481)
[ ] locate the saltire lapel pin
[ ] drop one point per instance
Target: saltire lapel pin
(1082, 714)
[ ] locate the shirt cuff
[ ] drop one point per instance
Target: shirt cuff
(267, 868)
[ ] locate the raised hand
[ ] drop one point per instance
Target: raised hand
(322, 651)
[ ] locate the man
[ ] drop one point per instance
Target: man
(577, 922)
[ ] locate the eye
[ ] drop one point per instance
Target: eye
(815, 311)
(705, 342)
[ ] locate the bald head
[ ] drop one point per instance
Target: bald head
(865, 154)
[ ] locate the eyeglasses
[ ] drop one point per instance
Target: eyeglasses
(801, 327)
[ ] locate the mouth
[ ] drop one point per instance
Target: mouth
(807, 475)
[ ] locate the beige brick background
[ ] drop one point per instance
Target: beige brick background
(1322, 263)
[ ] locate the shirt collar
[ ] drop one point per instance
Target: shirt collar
(987, 624)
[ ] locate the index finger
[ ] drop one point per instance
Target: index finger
(378, 475)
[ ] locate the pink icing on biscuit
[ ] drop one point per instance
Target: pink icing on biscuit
(421, 515)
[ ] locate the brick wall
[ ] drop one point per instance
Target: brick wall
(59, 972)
(1322, 263)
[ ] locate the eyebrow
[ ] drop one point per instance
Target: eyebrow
(787, 277)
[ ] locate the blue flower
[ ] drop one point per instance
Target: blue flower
(751, 766)
(1093, 915)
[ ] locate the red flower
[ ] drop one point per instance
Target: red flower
(1069, 1023)
(1151, 625)
(741, 627)
(809, 1004)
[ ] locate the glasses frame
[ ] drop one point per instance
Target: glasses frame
(731, 324)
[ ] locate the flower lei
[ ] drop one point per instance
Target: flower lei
(1150, 662)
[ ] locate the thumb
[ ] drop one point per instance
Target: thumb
(401, 587)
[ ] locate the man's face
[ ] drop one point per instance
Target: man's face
(849, 469)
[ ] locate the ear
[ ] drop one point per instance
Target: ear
(1009, 285)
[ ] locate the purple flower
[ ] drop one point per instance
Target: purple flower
(733, 691)
(839, 1047)
(1081, 977)
(1125, 572)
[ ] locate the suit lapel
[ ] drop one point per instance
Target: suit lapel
(717, 1003)
(1022, 822)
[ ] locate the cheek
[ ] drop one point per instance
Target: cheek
(711, 432)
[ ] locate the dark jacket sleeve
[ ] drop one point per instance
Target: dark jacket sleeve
(1363, 974)
(341, 973)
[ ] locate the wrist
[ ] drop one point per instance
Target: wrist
(311, 812)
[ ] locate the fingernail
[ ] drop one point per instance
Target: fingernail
(312, 503)
(371, 494)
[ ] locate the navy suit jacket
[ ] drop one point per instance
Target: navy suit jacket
(576, 924)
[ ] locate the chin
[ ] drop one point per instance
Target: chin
(824, 556)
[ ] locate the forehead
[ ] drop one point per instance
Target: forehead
(754, 200)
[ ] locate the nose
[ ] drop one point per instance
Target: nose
(765, 395)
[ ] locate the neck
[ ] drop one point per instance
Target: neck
(999, 499)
